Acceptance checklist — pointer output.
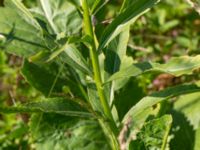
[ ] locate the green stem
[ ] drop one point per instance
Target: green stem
(109, 126)
(94, 59)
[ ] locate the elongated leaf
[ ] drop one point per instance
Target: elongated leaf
(51, 105)
(176, 66)
(153, 135)
(149, 101)
(98, 4)
(125, 19)
(115, 53)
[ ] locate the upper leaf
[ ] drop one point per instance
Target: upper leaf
(115, 52)
(124, 19)
(61, 16)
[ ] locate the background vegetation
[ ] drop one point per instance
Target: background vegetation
(171, 28)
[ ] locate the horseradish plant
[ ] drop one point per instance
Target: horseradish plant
(80, 65)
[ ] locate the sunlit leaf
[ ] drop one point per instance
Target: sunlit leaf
(175, 66)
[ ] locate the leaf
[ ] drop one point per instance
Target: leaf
(57, 105)
(153, 135)
(61, 16)
(47, 78)
(124, 19)
(182, 133)
(189, 105)
(21, 38)
(114, 55)
(197, 139)
(67, 53)
(128, 96)
(98, 4)
(94, 98)
(66, 133)
(149, 101)
(75, 59)
(24, 13)
(176, 66)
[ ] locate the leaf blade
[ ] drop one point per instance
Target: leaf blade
(125, 19)
(176, 66)
(57, 105)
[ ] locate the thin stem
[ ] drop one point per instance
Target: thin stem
(94, 59)
(109, 126)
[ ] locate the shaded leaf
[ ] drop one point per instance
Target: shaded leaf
(66, 133)
(182, 133)
(114, 55)
(128, 96)
(62, 106)
(47, 78)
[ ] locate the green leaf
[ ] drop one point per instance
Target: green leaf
(176, 66)
(114, 55)
(153, 135)
(94, 98)
(197, 139)
(189, 105)
(47, 78)
(75, 59)
(124, 19)
(128, 96)
(63, 106)
(21, 38)
(149, 101)
(66, 133)
(23, 12)
(61, 16)
(182, 132)
(98, 4)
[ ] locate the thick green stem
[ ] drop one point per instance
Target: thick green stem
(108, 124)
